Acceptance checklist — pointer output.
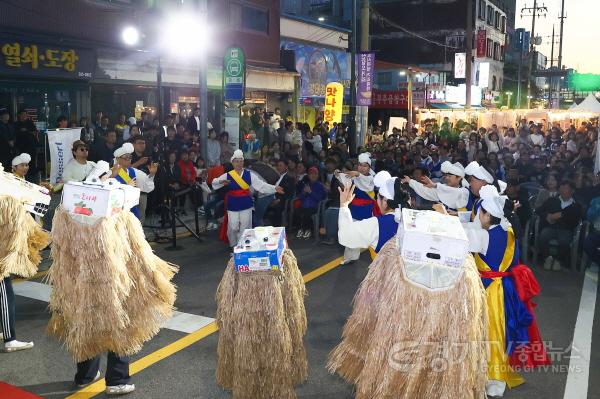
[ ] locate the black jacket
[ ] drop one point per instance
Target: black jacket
(289, 187)
(571, 215)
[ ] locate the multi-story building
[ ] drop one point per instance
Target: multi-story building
(67, 57)
(490, 45)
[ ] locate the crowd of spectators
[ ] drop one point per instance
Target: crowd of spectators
(549, 169)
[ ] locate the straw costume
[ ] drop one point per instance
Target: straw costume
(404, 341)
(262, 322)
(110, 292)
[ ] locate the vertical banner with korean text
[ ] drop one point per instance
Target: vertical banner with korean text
(460, 66)
(481, 43)
(365, 64)
(334, 99)
(60, 143)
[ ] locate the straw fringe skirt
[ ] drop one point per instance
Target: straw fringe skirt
(110, 292)
(402, 341)
(21, 239)
(262, 322)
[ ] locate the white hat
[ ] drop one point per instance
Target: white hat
(387, 190)
(381, 177)
(455, 169)
(365, 157)
(479, 172)
(127, 148)
(23, 158)
(502, 186)
(101, 168)
(132, 120)
(237, 154)
(492, 201)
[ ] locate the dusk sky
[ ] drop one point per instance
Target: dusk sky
(581, 46)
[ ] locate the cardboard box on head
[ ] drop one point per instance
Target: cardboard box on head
(99, 199)
(35, 199)
(259, 249)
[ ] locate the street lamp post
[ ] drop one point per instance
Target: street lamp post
(203, 88)
(509, 94)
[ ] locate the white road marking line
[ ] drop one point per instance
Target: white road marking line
(183, 322)
(579, 363)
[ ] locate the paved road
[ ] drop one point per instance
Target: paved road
(186, 361)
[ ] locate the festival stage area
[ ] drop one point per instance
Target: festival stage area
(180, 361)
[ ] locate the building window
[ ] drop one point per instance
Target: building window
(503, 24)
(244, 17)
(490, 48)
(384, 79)
(255, 19)
(481, 11)
(497, 20)
(490, 15)
(502, 53)
(497, 51)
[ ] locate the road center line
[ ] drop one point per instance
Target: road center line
(99, 386)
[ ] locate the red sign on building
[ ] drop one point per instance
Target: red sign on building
(481, 43)
(390, 99)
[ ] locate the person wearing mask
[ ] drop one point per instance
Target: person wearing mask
(26, 140)
(105, 147)
(126, 174)
(213, 149)
(511, 320)
(78, 168)
(238, 201)
(375, 231)
(7, 140)
(559, 215)
(453, 193)
(311, 193)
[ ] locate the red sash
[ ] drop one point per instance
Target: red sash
(532, 354)
(230, 193)
(365, 202)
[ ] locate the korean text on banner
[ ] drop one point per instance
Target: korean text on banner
(334, 99)
(60, 143)
(365, 62)
(460, 65)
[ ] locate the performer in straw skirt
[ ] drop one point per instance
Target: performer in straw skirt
(514, 337)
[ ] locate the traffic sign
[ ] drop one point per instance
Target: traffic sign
(234, 74)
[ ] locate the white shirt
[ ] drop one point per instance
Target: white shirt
(208, 124)
(274, 121)
(143, 181)
(74, 171)
(451, 197)
(479, 238)
(357, 233)
(258, 185)
(537, 139)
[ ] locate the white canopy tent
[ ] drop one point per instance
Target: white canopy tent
(590, 104)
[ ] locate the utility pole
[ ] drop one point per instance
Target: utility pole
(353, 134)
(560, 65)
(203, 87)
(469, 54)
(550, 87)
(534, 13)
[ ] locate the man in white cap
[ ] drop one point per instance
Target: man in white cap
(125, 174)
(238, 201)
(452, 193)
(363, 204)
(20, 165)
(375, 231)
